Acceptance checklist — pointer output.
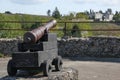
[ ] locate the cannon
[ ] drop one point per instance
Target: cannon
(37, 51)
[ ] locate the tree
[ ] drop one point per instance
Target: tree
(110, 11)
(82, 15)
(71, 16)
(75, 31)
(87, 12)
(101, 12)
(8, 12)
(116, 17)
(56, 14)
(49, 12)
(116, 13)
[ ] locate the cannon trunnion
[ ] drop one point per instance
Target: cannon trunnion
(41, 54)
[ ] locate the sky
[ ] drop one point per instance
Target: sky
(40, 7)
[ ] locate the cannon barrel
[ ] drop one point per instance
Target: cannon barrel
(34, 35)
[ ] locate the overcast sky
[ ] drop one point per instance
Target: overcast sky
(40, 7)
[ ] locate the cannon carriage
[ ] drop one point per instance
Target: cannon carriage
(38, 51)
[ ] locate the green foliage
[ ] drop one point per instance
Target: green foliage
(82, 15)
(105, 26)
(8, 33)
(35, 25)
(76, 31)
(69, 28)
(49, 12)
(71, 15)
(85, 26)
(68, 17)
(8, 12)
(22, 18)
(26, 18)
(59, 29)
(117, 16)
(56, 14)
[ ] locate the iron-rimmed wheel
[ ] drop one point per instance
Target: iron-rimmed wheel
(58, 63)
(47, 68)
(10, 69)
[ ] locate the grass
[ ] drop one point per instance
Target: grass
(105, 26)
(60, 30)
(91, 26)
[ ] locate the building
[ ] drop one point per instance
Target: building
(99, 16)
(108, 17)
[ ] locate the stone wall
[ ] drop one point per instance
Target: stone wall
(93, 47)
(75, 47)
(8, 46)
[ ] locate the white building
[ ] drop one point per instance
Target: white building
(98, 16)
(108, 17)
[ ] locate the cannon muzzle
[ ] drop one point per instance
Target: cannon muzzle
(34, 35)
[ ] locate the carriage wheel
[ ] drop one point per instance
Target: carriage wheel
(47, 68)
(58, 63)
(10, 69)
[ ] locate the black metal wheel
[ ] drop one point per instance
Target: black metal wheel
(58, 63)
(47, 68)
(10, 69)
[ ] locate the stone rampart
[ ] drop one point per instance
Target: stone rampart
(75, 47)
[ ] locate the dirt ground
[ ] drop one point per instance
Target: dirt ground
(88, 68)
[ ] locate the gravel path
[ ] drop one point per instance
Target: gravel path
(89, 68)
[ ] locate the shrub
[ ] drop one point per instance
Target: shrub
(75, 32)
